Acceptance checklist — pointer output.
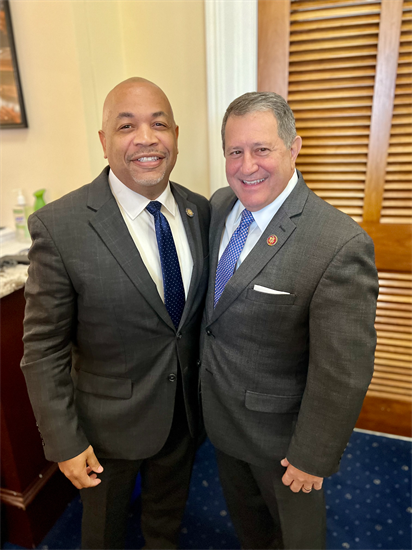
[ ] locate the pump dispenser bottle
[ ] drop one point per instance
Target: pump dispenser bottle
(20, 218)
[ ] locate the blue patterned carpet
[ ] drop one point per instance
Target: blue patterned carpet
(368, 503)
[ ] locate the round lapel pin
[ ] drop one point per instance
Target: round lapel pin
(272, 240)
(189, 212)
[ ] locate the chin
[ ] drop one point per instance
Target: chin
(149, 182)
(251, 205)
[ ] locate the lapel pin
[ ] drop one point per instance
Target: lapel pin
(189, 212)
(272, 240)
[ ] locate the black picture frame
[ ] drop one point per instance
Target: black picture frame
(12, 110)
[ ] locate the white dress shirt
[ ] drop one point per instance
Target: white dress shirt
(141, 226)
(262, 219)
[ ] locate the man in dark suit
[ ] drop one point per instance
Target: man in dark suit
(289, 339)
(114, 300)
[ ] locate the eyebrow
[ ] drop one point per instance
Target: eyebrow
(159, 113)
(255, 144)
(127, 114)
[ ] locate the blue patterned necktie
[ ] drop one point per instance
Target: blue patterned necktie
(174, 291)
(230, 256)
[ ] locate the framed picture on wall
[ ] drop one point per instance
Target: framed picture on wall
(12, 112)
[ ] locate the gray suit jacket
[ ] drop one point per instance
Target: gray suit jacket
(286, 374)
(99, 345)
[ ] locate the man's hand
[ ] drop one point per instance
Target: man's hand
(79, 468)
(297, 480)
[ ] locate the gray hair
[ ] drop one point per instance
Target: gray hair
(264, 101)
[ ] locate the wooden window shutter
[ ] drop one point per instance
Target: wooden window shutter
(332, 65)
(345, 69)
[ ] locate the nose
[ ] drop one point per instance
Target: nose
(249, 165)
(145, 135)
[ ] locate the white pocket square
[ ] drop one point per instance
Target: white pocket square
(268, 290)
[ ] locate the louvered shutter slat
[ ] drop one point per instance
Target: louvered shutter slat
(347, 22)
(301, 10)
(338, 83)
(334, 63)
(324, 91)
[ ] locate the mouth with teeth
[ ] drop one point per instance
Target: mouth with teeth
(148, 160)
(253, 182)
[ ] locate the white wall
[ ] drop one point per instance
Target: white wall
(165, 42)
(53, 152)
(71, 53)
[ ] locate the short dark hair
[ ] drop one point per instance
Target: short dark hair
(264, 101)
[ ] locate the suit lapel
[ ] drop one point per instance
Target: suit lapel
(110, 226)
(192, 228)
(282, 226)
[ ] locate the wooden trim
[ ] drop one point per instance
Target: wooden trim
(22, 500)
(386, 414)
(381, 119)
(273, 46)
(393, 244)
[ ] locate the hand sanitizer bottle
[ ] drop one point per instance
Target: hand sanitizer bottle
(20, 219)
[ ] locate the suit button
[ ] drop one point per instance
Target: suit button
(178, 335)
(171, 377)
(198, 362)
(209, 332)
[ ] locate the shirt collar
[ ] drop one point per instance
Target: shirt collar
(133, 203)
(262, 217)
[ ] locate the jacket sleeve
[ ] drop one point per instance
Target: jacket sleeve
(342, 342)
(48, 330)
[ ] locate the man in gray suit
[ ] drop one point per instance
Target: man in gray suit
(289, 339)
(114, 300)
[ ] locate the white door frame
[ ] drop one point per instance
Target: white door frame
(231, 52)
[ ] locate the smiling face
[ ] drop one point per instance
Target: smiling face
(139, 136)
(258, 163)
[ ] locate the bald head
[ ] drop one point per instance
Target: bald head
(135, 83)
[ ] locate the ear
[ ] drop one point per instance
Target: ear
(103, 142)
(295, 150)
(177, 137)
